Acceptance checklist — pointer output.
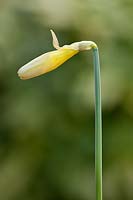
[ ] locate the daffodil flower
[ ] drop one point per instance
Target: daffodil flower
(53, 59)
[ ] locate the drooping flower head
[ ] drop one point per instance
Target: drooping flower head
(53, 59)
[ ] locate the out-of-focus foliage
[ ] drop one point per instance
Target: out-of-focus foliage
(47, 123)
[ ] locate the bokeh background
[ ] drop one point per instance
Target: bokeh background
(47, 123)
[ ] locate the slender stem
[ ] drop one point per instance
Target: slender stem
(98, 126)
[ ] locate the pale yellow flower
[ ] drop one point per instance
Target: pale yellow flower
(53, 59)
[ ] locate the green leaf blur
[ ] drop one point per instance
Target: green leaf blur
(47, 123)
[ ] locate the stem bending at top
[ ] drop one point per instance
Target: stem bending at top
(52, 60)
(98, 125)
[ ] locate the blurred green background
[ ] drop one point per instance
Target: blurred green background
(47, 123)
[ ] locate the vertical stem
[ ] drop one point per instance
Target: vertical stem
(98, 126)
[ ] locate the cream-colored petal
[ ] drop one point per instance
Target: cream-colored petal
(55, 40)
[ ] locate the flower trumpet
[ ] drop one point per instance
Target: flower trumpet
(53, 59)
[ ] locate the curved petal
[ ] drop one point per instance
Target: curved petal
(55, 40)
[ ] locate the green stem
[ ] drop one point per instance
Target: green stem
(98, 126)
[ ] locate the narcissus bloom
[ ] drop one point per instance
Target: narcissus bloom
(53, 59)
